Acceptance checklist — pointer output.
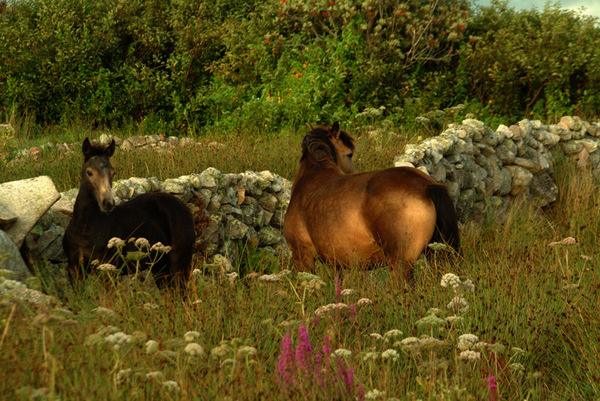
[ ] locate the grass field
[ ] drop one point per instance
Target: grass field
(336, 335)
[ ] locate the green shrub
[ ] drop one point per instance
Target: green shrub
(532, 62)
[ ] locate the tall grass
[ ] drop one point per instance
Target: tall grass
(535, 305)
(232, 153)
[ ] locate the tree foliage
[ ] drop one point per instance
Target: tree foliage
(251, 64)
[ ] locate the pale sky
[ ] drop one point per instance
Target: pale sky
(592, 7)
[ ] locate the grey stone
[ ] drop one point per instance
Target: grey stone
(531, 165)
(521, 179)
(572, 123)
(572, 147)
(544, 189)
(505, 154)
(50, 244)
(66, 202)
(11, 259)
(208, 180)
(269, 236)
(176, 186)
(28, 199)
(235, 229)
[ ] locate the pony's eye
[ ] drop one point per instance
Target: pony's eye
(89, 173)
(350, 155)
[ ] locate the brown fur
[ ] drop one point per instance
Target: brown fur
(361, 218)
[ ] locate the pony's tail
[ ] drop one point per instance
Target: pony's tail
(446, 224)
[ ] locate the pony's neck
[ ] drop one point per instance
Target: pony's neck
(309, 168)
(86, 207)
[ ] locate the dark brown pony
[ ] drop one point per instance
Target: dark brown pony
(344, 217)
(158, 217)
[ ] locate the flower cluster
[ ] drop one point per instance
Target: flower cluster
(119, 340)
(313, 371)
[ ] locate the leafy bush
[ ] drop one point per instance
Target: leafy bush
(255, 66)
(532, 62)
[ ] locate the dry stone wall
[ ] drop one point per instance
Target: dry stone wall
(236, 211)
(485, 169)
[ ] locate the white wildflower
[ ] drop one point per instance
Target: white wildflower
(517, 368)
(305, 276)
(348, 291)
(410, 343)
(325, 310)
(469, 355)
(370, 356)
(151, 347)
(118, 340)
(364, 302)
(142, 243)
(191, 336)
(342, 353)
(150, 306)
(123, 375)
(376, 336)
(232, 277)
(171, 386)
(105, 312)
(466, 341)
(434, 311)
(429, 322)
(374, 394)
(194, 349)
(438, 246)
(429, 342)
(391, 354)
(227, 362)
(197, 273)
(453, 319)
(159, 247)
(270, 277)
(391, 334)
(246, 351)
(450, 280)
(155, 375)
(459, 304)
(517, 351)
(468, 286)
(220, 351)
(105, 267)
(115, 242)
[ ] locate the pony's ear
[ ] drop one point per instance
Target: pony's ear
(335, 130)
(110, 149)
(85, 147)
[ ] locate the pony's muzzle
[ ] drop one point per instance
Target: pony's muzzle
(108, 204)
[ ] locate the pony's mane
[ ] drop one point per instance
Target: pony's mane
(95, 149)
(317, 144)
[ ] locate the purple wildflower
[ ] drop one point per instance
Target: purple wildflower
(352, 311)
(361, 392)
(303, 351)
(493, 387)
(286, 368)
(338, 288)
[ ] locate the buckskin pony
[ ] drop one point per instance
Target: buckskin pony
(340, 216)
(157, 217)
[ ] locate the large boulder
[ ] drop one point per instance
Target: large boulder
(11, 259)
(27, 199)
